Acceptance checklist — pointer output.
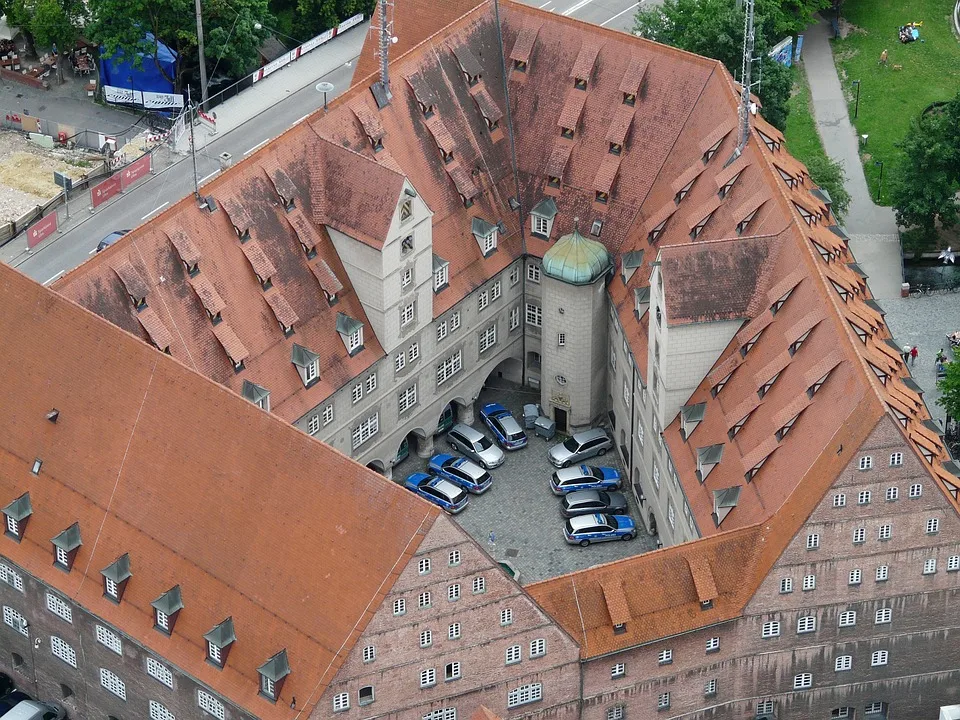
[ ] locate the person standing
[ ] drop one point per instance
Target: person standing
(883, 58)
(913, 355)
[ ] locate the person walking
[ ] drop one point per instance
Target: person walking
(883, 58)
(913, 355)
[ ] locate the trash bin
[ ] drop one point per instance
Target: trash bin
(226, 160)
(545, 427)
(531, 412)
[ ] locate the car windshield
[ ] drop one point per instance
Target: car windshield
(484, 443)
(612, 522)
(594, 472)
(572, 445)
(450, 463)
(516, 435)
(570, 529)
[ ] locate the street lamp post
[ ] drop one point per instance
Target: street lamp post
(325, 87)
(879, 163)
(856, 107)
(203, 60)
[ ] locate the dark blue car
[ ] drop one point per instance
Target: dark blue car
(461, 472)
(438, 491)
(505, 428)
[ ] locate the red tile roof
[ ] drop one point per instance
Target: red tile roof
(202, 489)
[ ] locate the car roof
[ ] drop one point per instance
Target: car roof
(582, 496)
(25, 710)
(468, 432)
(582, 437)
(574, 472)
(585, 521)
(446, 487)
(494, 407)
(417, 477)
(441, 458)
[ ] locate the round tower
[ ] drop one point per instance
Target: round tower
(574, 340)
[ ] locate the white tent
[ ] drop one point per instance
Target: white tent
(7, 32)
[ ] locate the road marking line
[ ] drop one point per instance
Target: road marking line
(619, 14)
(54, 277)
(545, 4)
(574, 8)
(92, 251)
(297, 122)
(155, 210)
(256, 146)
(203, 180)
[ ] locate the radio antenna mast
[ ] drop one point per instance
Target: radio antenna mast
(385, 39)
(745, 77)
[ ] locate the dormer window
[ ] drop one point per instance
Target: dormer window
(629, 99)
(447, 155)
(166, 610)
(698, 228)
(765, 388)
(690, 417)
(813, 389)
(708, 155)
(596, 228)
(742, 225)
(683, 192)
(377, 144)
(441, 273)
(427, 110)
(16, 515)
(732, 432)
(65, 547)
(707, 459)
(553, 181)
(882, 376)
(615, 148)
(748, 346)
(808, 217)
(566, 132)
(602, 197)
(752, 472)
(728, 186)
(580, 83)
(715, 390)
(486, 235)
(772, 144)
(775, 308)
(257, 394)
(843, 292)
(798, 343)
(657, 232)
(789, 179)
(272, 675)
(307, 363)
(115, 578)
(406, 210)
(351, 333)
(520, 65)
(619, 628)
(219, 641)
(861, 333)
(782, 432)
(542, 216)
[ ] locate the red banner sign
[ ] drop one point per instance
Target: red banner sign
(41, 230)
(99, 194)
(134, 171)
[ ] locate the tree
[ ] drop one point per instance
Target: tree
(315, 16)
(52, 26)
(715, 28)
(949, 388)
(829, 175)
(924, 185)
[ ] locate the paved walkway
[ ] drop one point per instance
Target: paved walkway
(874, 237)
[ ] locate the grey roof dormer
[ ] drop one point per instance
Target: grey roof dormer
(723, 502)
(641, 301)
(690, 417)
(546, 208)
(351, 332)
(441, 273)
(542, 216)
(485, 234)
(628, 266)
(219, 640)
(707, 459)
(166, 607)
(115, 577)
(257, 394)
(272, 674)
(19, 512)
(307, 363)
(67, 543)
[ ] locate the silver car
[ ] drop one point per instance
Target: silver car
(475, 445)
(581, 446)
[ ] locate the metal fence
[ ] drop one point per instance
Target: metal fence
(62, 132)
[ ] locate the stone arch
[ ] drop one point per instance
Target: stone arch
(377, 466)
(510, 369)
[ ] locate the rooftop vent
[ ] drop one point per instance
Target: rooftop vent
(53, 415)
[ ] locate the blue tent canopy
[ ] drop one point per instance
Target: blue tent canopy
(118, 70)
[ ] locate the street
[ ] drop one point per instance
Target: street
(171, 182)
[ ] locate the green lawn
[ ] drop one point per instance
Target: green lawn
(803, 140)
(890, 99)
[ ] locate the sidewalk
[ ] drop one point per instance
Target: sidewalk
(874, 237)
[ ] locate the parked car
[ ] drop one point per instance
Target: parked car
(505, 428)
(475, 445)
(111, 239)
(461, 472)
(579, 447)
(584, 477)
(590, 502)
(19, 706)
(585, 529)
(438, 491)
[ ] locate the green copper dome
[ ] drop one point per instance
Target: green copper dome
(576, 260)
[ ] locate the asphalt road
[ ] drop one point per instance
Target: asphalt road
(173, 182)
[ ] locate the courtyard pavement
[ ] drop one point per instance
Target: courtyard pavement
(518, 520)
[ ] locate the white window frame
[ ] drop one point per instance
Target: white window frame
(930, 566)
(369, 653)
(506, 617)
(407, 399)
(441, 330)
(488, 338)
(483, 299)
(159, 712)
(112, 683)
(770, 629)
(495, 291)
(879, 658)
(406, 277)
(441, 277)
(534, 315)
(210, 705)
(449, 367)
(806, 624)
(371, 383)
(896, 459)
(810, 582)
(839, 500)
(454, 558)
(514, 275)
(855, 577)
(61, 649)
(786, 585)
(864, 497)
(426, 638)
(408, 314)
(932, 526)
(424, 566)
(802, 681)
(11, 577)
(953, 563)
(885, 532)
(524, 695)
(479, 585)
(843, 663)
(365, 430)
(110, 639)
(399, 363)
(866, 462)
(533, 273)
(883, 616)
(859, 535)
(15, 620)
(425, 600)
(713, 644)
(540, 225)
(455, 321)
(538, 647)
(513, 655)
(452, 671)
(813, 541)
(454, 631)
(515, 317)
(59, 607)
(428, 677)
(159, 672)
(663, 701)
(916, 490)
(665, 657)
(341, 702)
(848, 618)
(355, 339)
(399, 607)
(618, 670)
(357, 393)
(453, 592)
(892, 493)
(883, 573)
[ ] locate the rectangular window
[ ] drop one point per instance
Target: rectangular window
(408, 398)
(426, 638)
(160, 672)
(357, 392)
(813, 541)
(453, 558)
(618, 671)
(449, 367)
(916, 490)
(538, 647)
(113, 683)
(479, 585)
(883, 616)
(839, 500)
(441, 276)
(488, 338)
(369, 653)
(424, 601)
(407, 314)
(110, 639)
(513, 655)
(882, 573)
(455, 321)
(366, 430)
(63, 651)
(663, 701)
(615, 712)
(855, 577)
(875, 708)
(423, 566)
(399, 363)
(878, 658)
(843, 662)
(483, 300)
(866, 462)
(953, 563)
(506, 617)
(786, 585)
(534, 315)
(428, 677)
(896, 459)
(847, 618)
(451, 671)
(11, 578)
(809, 582)
(515, 317)
(159, 712)
(495, 291)
(371, 382)
(533, 273)
(884, 532)
(453, 632)
(929, 566)
(806, 624)
(859, 535)
(328, 415)
(441, 330)
(864, 497)
(770, 629)
(413, 352)
(441, 714)
(713, 644)
(514, 274)
(933, 526)
(540, 225)
(765, 707)
(525, 694)
(453, 592)
(15, 620)
(341, 702)
(210, 705)
(710, 688)
(399, 606)
(802, 681)
(406, 278)
(59, 608)
(665, 657)
(892, 493)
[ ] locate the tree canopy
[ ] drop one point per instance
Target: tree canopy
(949, 388)
(714, 28)
(925, 183)
(52, 26)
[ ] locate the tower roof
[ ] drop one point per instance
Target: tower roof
(576, 260)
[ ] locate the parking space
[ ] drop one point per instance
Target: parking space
(518, 520)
